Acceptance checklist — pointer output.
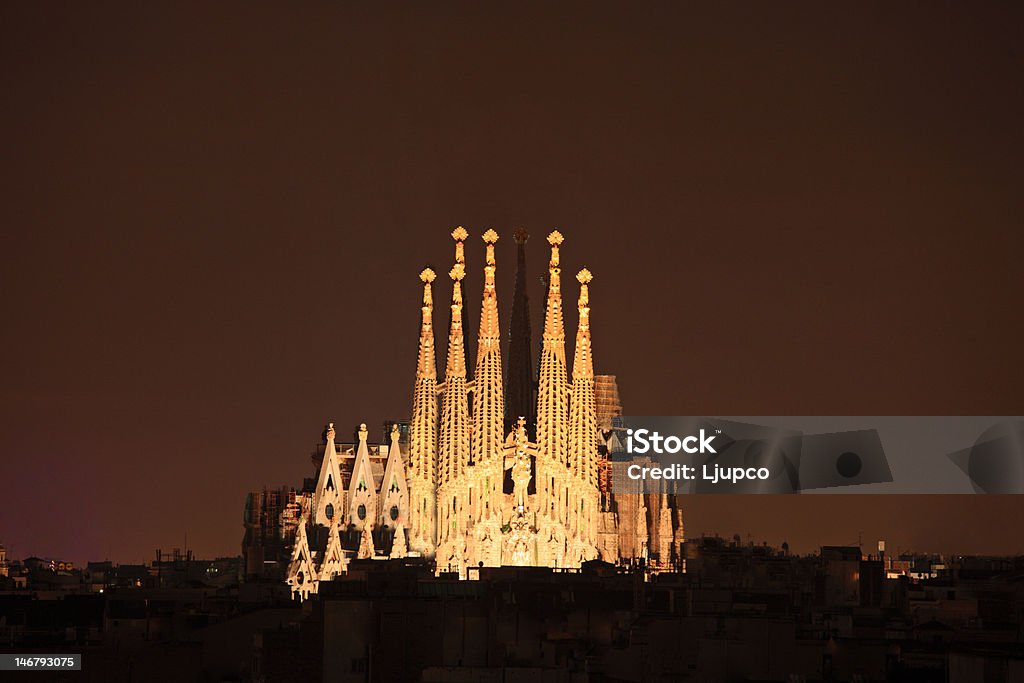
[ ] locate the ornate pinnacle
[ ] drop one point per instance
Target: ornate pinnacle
(554, 239)
(427, 276)
(521, 235)
(330, 431)
(394, 434)
(457, 272)
(490, 237)
(362, 431)
(459, 234)
(584, 277)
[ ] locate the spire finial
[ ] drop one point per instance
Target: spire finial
(459, 234)
(584, 277)
(555, 239)
(457, 272)
(362, 432)
(490, 237)
(521, 235)
(427, 276)
(330, 431)
(395, 434)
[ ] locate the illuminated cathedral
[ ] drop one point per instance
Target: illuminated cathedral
(497, 469)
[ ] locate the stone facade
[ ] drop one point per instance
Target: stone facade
(480, 486)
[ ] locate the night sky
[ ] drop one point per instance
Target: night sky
(213, 217)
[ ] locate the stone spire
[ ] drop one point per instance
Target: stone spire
(520, 386)
(453, 440)
(552, 381)
(583, 430)
(488, 400)
(422, 479)
(423, 426)
(582, 408)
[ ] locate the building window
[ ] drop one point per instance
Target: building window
(329, 511)
(394, 513)
(361, 512)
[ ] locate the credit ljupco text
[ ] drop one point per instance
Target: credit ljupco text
(644, 441)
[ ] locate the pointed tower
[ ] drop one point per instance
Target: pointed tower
(552, 395)
(487, 447)
(362, 492)
(583, 431)
(394, 495)
(422, 468)
(520, 386)
(488, 399)
(453, 439)
(329, 496)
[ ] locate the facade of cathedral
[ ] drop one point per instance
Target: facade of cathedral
(490, 474)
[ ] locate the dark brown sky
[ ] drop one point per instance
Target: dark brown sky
(213, 217)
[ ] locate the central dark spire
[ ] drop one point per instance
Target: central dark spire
(520, 386)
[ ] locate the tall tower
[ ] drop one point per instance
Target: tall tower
(453, 447)
(583, 456)
(488, 399)
(487, 446)
(423, 433)
(552, 418)
(520, 386)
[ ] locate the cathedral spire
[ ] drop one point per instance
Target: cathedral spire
(423, 431)
(520, 387)
(552, 381)
(453, 442)
(426, 366)
(488, 407)
(423, 425)
(582, 408)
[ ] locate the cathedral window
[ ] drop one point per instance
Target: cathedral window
(329, 486)
(329, 511)
(361, 512)
(394, 513)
